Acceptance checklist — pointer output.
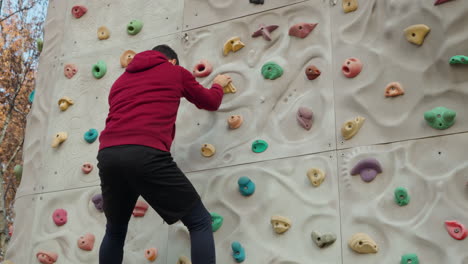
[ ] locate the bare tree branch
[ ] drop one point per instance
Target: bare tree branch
(18, 148)
(16, 12)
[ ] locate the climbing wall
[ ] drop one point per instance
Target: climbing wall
(351, 147)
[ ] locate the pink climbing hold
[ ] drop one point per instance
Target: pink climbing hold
(305, 117)
(140, 209)
(312, 72)
(87, 167)
(47, 257)
(79, 11)
(70, 70)
(351, 67)
(86, 242)
(456, 230)
(301, 30)
(265, 31)
(202, 69)
(10, 230)
(60, 217)
(439, 2)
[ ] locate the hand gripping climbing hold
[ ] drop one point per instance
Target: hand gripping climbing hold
(246, 186)
(409, 259)
(257, 2)
(265, 31)
(417, 33)
(86, 242)
(458, 59)
(367, 168)
(439, 2)
(31, 96)
(91, 135)
(98, 202)
(59, 138)
(46, 257)
(99, 69)
(350, 5)
(126, 58)
(151, 254)
(233, 44)
(402, 197)
(304, 117)
(351, 67)
(184, 260)
(60, 217)
(70, 70)
(259, 146)
(64, 103)
(87, 167)
(216, 221)
(229, 88)
(280, 224)
(134, 27)
(238, 252)
(440, 118)
(78, 11)
(312, 72)
(271, 71)
(202, 69)
(302, 30)
(323, 240)
(39, 44)
(351, 127)
(394, 89)
(235, 121)
(316, 176)
(103, 33)
(456, 230)
(140, 209)
(363, 244)
(208, 150)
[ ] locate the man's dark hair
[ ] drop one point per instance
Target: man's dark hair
(168, 52)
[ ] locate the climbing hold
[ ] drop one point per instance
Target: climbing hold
(362, 243)
(59, 139)
(78, 11)
(233, 44)
(458, 59)
(184, 260)
(98, 202)
(350, 5)
(229, 88)
(31, 96)
(99, 69)
(151, 254)
(202, 69)
(246, 186)
(103, 33)
(417, 33)
(394, 89)
(301, 30)
(456, 230)
(351, 67)
(259, 146)
(86, 242)
(64, 103)
(440, 118)
(402, 197)
(238, 252)
(39, 44)
(47, 257)
(312, 72)
(351, 127)
(439, 2)
(10, 230)
(60, 217)
(265, 31)
(140, 209)
(367, 168)
(280, 224)
(91, 135)
(208, 150)
(409, 259)
(305, 117)
(126, 58)
(271, 71)
(134, 27)
(87, 167)
(70, 70)
(216, 221)
(235, 121)
(257, 2)
(18, 171)
(323, 240)
(316, 176)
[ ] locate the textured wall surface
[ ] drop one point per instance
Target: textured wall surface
(431, 164)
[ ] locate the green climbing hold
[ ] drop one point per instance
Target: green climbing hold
(216, 221)
(458, 59)
(402, 197)
(409, 259)
(440, 118)
(134, 27)
(91, 135)
(18, 171)
(271, 71)
(99, 69)
(259, 146)
(31, 96)
(40, 44)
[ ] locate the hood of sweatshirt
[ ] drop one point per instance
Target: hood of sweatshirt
(146, 60)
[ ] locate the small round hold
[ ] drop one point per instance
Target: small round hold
(151, 254)
(202, 69)
(87, 167)
(238, 252)
(47, 257)
(280, 224)
(103, 33)
(99, 69)
(246, 186)
(402, 197)
(259, 146)
(60, 217)
(134, 27)
(316, 176)
(351, 67)
(91, 135)
(409, 259)
(271, 71)
(86, 242)
(216, 221)
(59, 138)
(69, 70)
(235, 121)
(208, 150)
(78, 11)
(394, 89)
(64, 103)
(126, 58)
(312, 72)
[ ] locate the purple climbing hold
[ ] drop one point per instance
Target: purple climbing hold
(367, 168)
(265, 31)
(439, 2)
(98, 202)
(305, 117)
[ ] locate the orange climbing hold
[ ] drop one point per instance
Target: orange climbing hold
(103, 33)
(126, 58)
(312, 72)
(140, 209)
(47, 257)
(235, 121)
(394, 89)
(86, 242)
(70, 70)
(208, 150)
(151, 254)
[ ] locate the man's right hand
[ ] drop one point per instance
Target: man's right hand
(222, 80)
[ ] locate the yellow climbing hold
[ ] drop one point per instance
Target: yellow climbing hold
(417, 33)
(229, 88)
(64, 103)
(184, 260)
(208, 150)
(280, 224)
(350, 5)
(363, 244)
(103, 33)
(59, 138)
(316, 176)
(233, 44)
(351, 127)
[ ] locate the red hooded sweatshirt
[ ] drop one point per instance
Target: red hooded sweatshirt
(144, 100)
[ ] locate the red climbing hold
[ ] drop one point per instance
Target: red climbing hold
(312, 72)
(456, 230)
(140, 209)
(301, 30)
(60, 217)
(47, 257)
(78, 11)
(86, 242)
(351, 67)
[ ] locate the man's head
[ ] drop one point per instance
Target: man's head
(168, 52)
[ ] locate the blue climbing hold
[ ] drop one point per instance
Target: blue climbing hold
(246, 186)
(31, 96)
(238, 252)
(91, 135)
